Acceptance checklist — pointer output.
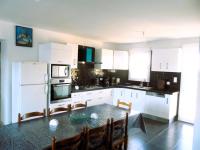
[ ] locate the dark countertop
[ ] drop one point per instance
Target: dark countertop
(135, 87)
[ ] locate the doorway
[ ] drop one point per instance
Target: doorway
(189, 83)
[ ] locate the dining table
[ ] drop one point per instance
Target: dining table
(36, 134)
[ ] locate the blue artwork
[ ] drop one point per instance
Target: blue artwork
(24, 36)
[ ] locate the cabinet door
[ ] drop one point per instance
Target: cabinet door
(173, 61)
(60, 56)
(166, 60)
(105, 96)
(157, 106)
(118, 94)
(73, 50)
(138, 100)
(33, 98)
(120, 60)
(107, 59)
(158, 60)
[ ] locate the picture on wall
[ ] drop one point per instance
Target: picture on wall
(24, 36)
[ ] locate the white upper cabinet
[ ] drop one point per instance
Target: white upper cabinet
(120, 60)
(105, 58)
(166, 60)
(73, 48)
(56, 53)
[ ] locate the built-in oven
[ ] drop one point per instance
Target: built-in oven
(60, 90)
(60, 71)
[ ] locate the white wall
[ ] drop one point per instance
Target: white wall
(162, 43)
(196, 138)
(11, 53)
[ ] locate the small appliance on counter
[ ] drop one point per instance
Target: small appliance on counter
(161, 84)
(106, 82)
(117, 81)
(113, 81)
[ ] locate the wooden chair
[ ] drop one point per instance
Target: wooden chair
(79, 106)
(59, 109)
(73, 143)
(119, 134)
(30, 115)
(122, 104)
(98, 138)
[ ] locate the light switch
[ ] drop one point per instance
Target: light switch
(175, 80)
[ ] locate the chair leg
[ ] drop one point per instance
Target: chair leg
(126, 144)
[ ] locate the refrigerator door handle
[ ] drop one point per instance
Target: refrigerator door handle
(45, 78)
(46, 89)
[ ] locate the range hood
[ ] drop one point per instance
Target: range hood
(86, 54)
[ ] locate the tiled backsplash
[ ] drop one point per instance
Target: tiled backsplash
(87, 74)
(167, 77)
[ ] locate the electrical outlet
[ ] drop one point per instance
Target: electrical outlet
(175, 80)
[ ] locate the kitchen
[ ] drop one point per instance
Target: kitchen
(115, 73)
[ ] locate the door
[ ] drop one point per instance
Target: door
(33, 98)
(33, 73)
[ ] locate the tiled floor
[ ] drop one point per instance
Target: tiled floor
(160, 136)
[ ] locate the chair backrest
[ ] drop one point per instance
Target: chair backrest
(119, 132)
(122, 104)
(97, 138)
(79, 105)
(59, 109)
(73, 143)
(30, 115)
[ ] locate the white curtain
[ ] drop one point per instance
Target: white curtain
(139, 64)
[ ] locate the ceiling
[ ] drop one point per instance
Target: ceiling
(117, 21)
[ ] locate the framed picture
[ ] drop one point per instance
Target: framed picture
(24, 36)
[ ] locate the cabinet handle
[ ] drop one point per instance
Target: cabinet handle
(45, 78)
(160, 65)
(121, 93)
(167, 101)
(131, 94)
(46, 89)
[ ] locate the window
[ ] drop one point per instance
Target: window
(139, 64)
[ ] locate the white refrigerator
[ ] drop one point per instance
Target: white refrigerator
(29, 88)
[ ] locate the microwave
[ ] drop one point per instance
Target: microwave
(60, 71)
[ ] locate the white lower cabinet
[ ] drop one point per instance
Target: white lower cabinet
(138, 100)
(136, 97)
(151, 103)
(93, 97)
(163, 106)
(61, 104)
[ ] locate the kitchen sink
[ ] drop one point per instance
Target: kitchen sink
(139, 87)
